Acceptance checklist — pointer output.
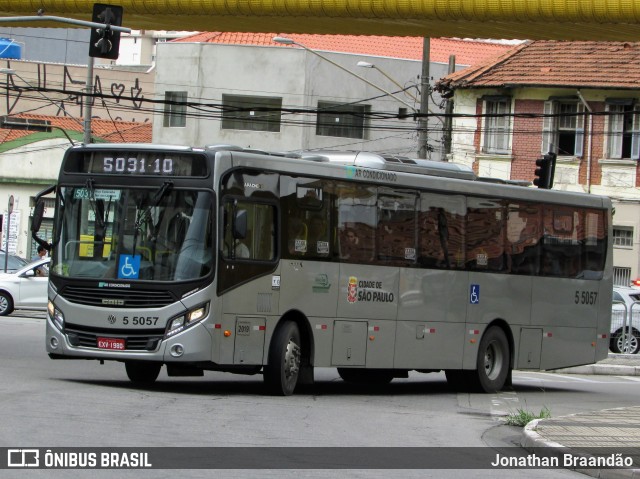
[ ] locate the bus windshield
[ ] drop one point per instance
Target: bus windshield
(152, 234)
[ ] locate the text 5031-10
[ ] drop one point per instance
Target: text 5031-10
(141, 166)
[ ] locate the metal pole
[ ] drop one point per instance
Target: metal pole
(448, 119)
(88, 99)
(6, 245)
(423, 122)
(72, 21)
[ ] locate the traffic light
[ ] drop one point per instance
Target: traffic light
(104, 42)
(546, 167)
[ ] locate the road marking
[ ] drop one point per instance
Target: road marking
(563, 376)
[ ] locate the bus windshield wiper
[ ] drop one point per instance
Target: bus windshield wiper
(92, 202)
(142, 217)
(157, 198)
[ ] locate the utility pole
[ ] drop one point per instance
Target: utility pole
(448, 119)
(425, 89)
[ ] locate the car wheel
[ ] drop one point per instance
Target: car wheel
(630, 346)
(6, 303)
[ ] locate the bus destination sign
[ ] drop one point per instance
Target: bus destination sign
(140, 163)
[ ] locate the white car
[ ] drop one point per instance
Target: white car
(622, 297)
(26, 288)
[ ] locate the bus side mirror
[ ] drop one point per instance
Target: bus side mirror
(38, 214)
(240, 224)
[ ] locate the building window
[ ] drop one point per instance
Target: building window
(622, 236)
(254, 113)
(624, 134)
(175, 109)
(345, 121)
(497, 125)
(621, 276)
(563, 128)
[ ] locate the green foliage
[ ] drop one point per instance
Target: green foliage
(521, 417)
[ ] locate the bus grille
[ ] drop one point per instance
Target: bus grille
(117, 298)
(147, 340)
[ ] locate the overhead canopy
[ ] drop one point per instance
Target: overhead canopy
(521, 19)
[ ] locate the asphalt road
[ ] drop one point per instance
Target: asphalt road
(45, 403)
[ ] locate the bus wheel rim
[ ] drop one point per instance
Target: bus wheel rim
(291, 359)
(492, 360)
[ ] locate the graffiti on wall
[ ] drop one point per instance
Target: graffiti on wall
(125, 96)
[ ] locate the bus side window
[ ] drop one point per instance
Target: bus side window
(441, 231)
(523, 238)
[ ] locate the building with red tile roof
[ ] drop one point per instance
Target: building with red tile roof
(609, 65)
(467, 52)
(101, 130)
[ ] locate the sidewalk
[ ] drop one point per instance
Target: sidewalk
(610, 433)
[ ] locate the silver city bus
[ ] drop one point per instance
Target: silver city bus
(243, 261)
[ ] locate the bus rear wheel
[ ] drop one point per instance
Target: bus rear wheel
(366, 376)
(142, 373)
(285, 353)
(492, 366)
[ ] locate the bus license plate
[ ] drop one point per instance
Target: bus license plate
(111, 343)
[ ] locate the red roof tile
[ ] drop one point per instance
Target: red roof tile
(467, 52)
(552, 63)
(107, 130)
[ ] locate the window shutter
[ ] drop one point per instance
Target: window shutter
(635, 134)
(548, 129)
(579, 145)
(616, 129)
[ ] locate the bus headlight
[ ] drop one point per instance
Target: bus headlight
(56, 316)
(186, 320)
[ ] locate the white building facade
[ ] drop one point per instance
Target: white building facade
(288, 99)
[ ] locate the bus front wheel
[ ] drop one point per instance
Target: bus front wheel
(142, 373)
(285, 353)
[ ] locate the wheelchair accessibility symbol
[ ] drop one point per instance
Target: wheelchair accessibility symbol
(129, 266)
(474, 294)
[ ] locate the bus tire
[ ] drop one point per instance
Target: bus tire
(285, 353)
(142, 373)
(376, 377)
(493, 360)
(632, 345)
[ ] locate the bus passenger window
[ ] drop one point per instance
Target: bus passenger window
(441, 231)
(485, 235)
(523, 238)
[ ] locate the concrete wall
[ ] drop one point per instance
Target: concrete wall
(300, 78)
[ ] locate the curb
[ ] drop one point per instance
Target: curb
(531, 441)
(603, 369)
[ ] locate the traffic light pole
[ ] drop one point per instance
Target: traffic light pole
(88, 103)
